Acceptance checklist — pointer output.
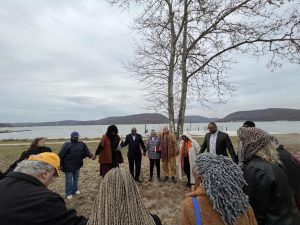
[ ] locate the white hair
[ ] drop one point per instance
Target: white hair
(33, 167)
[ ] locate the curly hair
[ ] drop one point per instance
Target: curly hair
(223, 182)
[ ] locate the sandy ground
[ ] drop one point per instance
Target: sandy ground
(161, 198)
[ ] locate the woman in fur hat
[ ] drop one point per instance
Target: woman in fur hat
(269, 190)
(218, 198)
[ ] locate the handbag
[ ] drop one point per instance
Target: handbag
(119, 153)
(157, 149)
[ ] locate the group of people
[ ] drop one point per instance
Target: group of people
(258, 185)
(159, 147)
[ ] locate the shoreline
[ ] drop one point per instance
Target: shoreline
(284, 138)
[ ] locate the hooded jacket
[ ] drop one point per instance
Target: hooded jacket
(193, 152)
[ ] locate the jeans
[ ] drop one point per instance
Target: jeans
(72, 178)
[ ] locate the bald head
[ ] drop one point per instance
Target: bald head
(133, 130)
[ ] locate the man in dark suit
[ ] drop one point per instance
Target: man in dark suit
(135, 142)
(216, 142)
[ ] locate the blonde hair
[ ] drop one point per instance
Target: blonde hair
(269, 154)
(118, 202)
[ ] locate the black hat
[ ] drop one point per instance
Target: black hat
(248, 123)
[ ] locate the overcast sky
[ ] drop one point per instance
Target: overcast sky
(62, 59)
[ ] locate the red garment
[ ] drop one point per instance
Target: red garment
(186, 145)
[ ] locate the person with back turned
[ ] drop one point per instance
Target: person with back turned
(71, 155)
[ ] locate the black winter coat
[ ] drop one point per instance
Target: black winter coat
(72, 154)
(292, 168)
(270, 194)
(26, 201)
(25, 155)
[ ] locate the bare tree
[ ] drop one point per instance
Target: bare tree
(157, 55)
(191, 43)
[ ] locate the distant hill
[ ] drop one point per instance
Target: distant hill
(5, 125)
(153, 118)
(199, 119)
(271, 114)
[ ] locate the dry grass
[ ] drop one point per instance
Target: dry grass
(161, 198)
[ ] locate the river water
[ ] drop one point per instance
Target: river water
(95, 131)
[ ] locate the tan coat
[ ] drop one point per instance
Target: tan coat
(208, 215)
(172, 149)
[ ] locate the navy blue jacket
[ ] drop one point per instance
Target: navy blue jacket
(26, 201)
(72, 154)
(134, 148)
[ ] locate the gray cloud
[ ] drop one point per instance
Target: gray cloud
(61, 59)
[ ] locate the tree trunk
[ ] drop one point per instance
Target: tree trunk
(182, 106)
(171, 71)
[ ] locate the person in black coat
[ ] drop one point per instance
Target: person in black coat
(135, 142)
(217, 141)
(291, 165)
(71, 155)
(37, 146)
(26, 200)
(270, 193)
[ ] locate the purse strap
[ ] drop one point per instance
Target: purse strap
(197, 211)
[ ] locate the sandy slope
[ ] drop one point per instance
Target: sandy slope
(161, 198)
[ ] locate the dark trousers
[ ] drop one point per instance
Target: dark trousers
(157, 165)
(135, 162)
(186, 168)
